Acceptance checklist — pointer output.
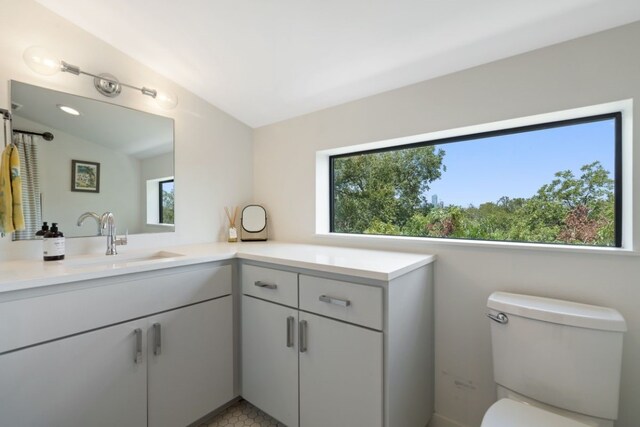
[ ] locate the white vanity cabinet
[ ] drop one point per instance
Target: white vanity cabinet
(333, 352)
(90, 379)
(325, 336)
(341, 374)
(190, 362)
(79, 360)
(270, 358)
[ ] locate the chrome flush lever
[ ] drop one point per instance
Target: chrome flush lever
(500, 318)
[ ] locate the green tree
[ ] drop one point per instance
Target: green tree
(379, 227)
(167, 207)
(490, 220)
(384, 193)
(570, 209)
(380, 192)
(444, 222)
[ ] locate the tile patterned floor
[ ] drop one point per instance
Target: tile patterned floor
(243, 414)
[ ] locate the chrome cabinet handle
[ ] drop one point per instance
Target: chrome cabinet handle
(157, 339)
(336, 301)
(302, 337)
(500, 318)
(265, 285)
(138, 357)
(290, 321)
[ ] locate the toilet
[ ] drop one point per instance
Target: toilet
(555, 363)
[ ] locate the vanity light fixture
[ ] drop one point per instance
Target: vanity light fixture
(68, 110)
(42, 61)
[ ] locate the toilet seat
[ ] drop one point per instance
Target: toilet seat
(510, 413)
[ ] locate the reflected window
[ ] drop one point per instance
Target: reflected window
(160, 202)
(166, 202)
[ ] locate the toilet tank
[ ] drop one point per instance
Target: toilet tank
(558, 352)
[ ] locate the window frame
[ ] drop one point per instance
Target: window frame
(617, 116)
(160, 204)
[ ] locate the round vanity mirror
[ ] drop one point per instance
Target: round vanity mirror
(254, 223)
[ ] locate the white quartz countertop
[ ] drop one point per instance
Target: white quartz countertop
(371, 264)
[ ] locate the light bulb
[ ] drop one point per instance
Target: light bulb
(40, 60)
(69, 110)
(166, 100)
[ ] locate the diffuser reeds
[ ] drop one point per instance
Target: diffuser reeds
(233, 232)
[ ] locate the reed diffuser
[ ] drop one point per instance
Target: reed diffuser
(233, 232)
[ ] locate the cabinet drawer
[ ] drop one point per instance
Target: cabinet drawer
(346, 301)
(273, 285)
(33, 320)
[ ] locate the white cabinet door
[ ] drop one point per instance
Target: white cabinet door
(90, 379)
(341, 374)
(270, 358)
(190, 362)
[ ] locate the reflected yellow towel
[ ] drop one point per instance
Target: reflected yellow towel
(11, 215)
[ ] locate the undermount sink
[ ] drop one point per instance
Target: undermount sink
(117, 260)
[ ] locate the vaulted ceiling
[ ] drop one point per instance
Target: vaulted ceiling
(264, 61)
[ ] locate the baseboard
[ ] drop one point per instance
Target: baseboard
(440, 421)
(214, 413)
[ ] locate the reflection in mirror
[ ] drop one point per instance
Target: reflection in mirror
(104, 158)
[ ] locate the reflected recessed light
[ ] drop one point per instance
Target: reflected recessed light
(69, 110)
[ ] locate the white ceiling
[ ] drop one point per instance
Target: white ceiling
(135, 133)
(263, 61)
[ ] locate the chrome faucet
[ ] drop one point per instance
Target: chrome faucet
(108, 222)
(93, 215)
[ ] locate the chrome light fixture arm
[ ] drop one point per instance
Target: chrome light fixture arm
(43, 62)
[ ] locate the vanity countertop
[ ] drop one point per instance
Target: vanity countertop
(365, 263)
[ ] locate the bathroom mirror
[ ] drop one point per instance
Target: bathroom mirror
(253, 223)
(103, 157)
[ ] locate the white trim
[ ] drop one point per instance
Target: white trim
(624, 106)
(161, 224)
(421, 243)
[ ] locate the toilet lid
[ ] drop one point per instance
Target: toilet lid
(509, 413)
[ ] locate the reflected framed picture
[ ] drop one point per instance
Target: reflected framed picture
(85, 176)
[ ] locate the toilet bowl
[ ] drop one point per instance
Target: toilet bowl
(556, 363)
(510, 413)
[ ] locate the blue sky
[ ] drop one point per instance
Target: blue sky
(518, 165)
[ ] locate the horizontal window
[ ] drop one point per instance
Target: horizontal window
(558, 182)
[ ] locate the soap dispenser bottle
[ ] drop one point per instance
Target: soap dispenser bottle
(53, 244)
(40, 233)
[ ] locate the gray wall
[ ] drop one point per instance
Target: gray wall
(596, 69)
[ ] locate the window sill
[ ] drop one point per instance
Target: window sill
(149, 224)
(416, 243)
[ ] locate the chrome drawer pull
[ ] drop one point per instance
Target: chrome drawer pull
(302, 338)
(157, 339)
(138, 357)
(265, 285)
(500, 318)
(336, 301)
(290, 321)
